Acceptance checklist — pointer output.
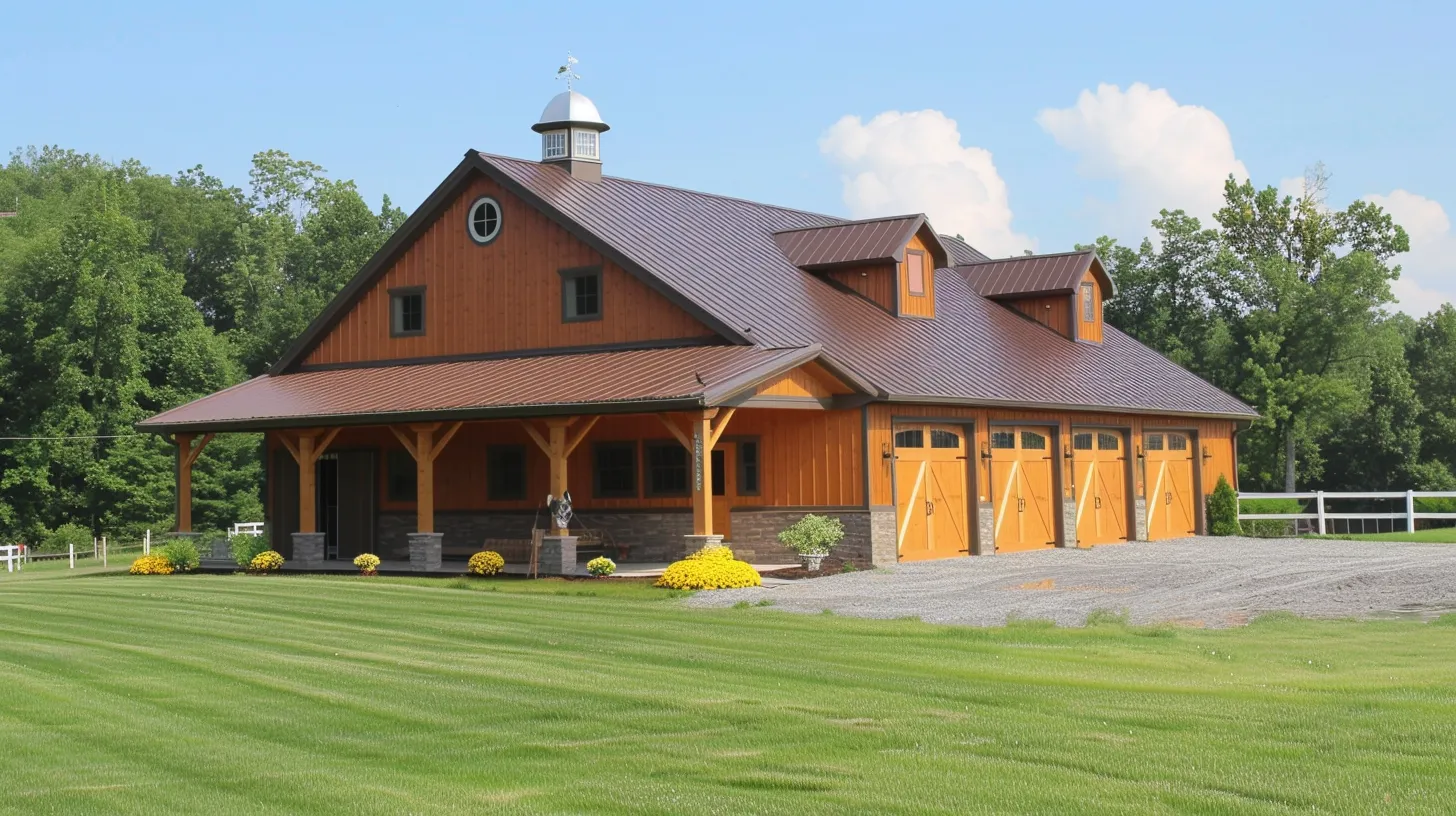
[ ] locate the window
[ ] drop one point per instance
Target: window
(1177, 442)
(747, 468)
(667, 469)
(553, 145)
(1082, 441)
(400, 476)
(719, 466)
(1089, 303)
(1003, 440)
(614, 469)
(915, 272)
(1033, 441)
(407, 312)
(581, 293)
(505, 472)
(910, 439)
(483, 221)
(1153, 442)
(586, 144)
(1108, 441)
(944, 439)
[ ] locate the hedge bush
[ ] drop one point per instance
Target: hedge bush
(64, 537)
(247, 547)
(181, 554)
(1270, 528)
(712, 567)
(1223, 510)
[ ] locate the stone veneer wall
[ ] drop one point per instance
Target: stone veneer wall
(755, 537)
(656, 536)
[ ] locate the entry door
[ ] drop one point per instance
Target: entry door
(1100, 470)
(725, 484)
(358, 489)
(1172, 502)
(326, 489)
(930, 488)
(1022, 489)
(283, 507)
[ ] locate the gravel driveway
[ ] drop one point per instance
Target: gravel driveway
(1195, 581)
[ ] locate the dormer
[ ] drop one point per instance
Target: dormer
(1063, 292)
(890, 261)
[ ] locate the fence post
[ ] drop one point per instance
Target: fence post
(1319, 509)
(1410, 511)
(147, 543)
(103, 551)
(72, 547)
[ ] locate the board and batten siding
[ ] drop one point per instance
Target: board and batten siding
(1215, 438)
(503, 296)
(1052, 311)
(917, 305)
(875, 282)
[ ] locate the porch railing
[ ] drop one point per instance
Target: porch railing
(1322, 516)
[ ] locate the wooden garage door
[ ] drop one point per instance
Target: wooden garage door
(930, 492)
(1172, 502)
(1100, 472)
(1021, 489)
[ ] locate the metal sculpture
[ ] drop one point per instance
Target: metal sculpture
(560, 509)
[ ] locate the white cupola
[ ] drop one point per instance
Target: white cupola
(571, 130)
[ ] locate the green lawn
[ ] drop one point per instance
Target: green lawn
(1433, 535)
(213, 694)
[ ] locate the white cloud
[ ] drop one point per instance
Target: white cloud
(914, 162)
(1428, 271)
(1160, 154)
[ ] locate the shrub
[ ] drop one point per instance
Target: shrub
(813, 535)
(1223, 510)
(486, 563)
(151, 565)
(1269, 528)
(602, 566)
(712, 567)
(64, 537)
(181, 554)
(368, 563)
(246, 547)
(266, 561)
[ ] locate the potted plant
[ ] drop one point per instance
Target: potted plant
(368, 563)
(812, 537)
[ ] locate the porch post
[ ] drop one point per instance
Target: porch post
(308, 543)
(425, 545)
(187, 454)
(556, 452)
(307, 501)
(701, 455)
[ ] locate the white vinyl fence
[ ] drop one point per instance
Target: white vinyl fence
(13, 555)
(1322, 518)
(16, 556)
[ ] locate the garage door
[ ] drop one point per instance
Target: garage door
(1021, 489)
(1099, 469)
(1172, 504)
(930, 491)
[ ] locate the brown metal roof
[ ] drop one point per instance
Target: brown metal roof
(879, 240)
(962, 252)
(1034, 274)
(639, 380)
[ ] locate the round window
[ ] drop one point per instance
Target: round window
(483, 220)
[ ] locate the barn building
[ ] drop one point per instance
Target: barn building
(693, 367)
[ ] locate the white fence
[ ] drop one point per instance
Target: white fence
(13, 555)
(1322, 516)
(16, 556)
(252, 528)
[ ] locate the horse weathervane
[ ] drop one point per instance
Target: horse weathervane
(565, 72)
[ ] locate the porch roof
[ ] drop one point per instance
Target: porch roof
(661, 379)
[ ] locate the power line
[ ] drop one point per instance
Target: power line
(61, 438)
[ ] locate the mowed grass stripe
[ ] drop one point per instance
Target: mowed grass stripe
(226, 694)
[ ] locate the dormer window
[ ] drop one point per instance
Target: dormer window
(915, 272)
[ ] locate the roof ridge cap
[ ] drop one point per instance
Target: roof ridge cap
(1027, 257)
(855, 221)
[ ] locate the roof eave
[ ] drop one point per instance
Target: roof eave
(981, 402)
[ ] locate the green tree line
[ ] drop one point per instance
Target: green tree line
(125, 292)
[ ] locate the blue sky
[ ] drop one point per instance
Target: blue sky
(1018, 125)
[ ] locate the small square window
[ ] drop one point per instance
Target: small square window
(667, 469)
(581, 294)
(505, 472)
(406, 312)
(614, 470)
(400, 476)
(915, 272)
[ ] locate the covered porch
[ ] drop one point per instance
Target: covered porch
(698, 441)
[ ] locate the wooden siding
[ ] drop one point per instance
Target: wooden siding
(807, 458)
(1215, 437)
(504, 296)
(875, 282)
(1053, 311)
(1090, 330)
(918, 305)
(809, 380)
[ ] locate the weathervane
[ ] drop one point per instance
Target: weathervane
(565, 72)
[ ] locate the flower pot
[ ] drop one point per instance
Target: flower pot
(812, 561)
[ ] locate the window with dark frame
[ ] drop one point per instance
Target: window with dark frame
(748, 468)
(400, 474)
(915, 272)
(1089, 303)
(1109, 441)
(581, 294)
(1081, 441)
(1033, 441)
(666, 468)
(1153, 442)
(406, 312)
(1177, 442)
(910, 439)
(1003, 440)
(718, 464)
(614, 470)
(505, 472)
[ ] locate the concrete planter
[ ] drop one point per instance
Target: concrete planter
(812, 561)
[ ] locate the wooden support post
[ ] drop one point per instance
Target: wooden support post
(424, 447)
(187, 453)
(306, 451)
(705, 434)
(558, 445)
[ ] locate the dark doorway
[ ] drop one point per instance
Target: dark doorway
(283, 504)
(347, 484)
(327, 479)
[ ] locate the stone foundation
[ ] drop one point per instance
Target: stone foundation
(308, 549)
(755, 537)
(424, 551)
(985, 543)
(654, 536)
(558, 556)
(693, 543)
(1140, 518)
(1067, 536)
(884, 548)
